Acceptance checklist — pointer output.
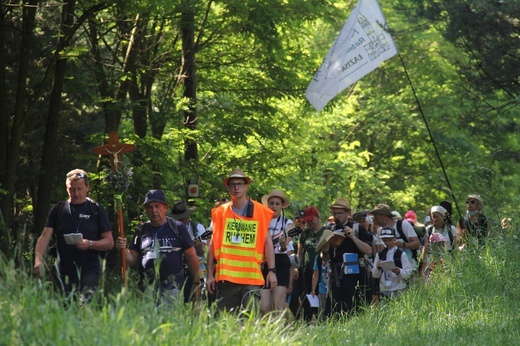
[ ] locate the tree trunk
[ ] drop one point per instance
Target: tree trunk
(11, 150)
(53, 120)
(190, 81)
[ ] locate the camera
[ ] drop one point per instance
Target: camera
(207, 234)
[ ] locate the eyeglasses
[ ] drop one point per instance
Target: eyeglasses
(471, 201)
(234, 185)
(338, 212)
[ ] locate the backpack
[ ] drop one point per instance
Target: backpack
(93, 206)
(403, 236)
(397, 256)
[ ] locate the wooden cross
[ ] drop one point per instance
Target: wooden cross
(114, 149)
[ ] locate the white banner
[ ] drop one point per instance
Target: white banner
(362, 45)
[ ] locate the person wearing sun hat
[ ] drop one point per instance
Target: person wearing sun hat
(240, 241)
(349, 291)
(181, 211)
(283, 248)
(474, 223)
(406, 237)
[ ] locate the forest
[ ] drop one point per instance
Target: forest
(201, 87)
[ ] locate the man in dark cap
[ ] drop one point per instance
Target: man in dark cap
(165, 240)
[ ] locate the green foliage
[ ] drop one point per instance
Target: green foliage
(253, 63)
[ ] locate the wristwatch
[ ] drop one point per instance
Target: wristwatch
(272, 270)
(91, 245)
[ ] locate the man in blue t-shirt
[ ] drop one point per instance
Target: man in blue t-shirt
(82, 232)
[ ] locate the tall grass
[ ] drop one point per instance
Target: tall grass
(473, 299)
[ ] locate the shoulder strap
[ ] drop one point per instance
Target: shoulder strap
(173, 226)
(397, 258)
(94, 208)
(451, 236)
(194, 228)
(400, 230)
(428, 230)
(60, 205)
(382, 254)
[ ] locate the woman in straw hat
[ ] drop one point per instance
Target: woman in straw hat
(283, 248)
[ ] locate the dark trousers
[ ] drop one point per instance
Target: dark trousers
(308, 311)
(349, 292)
(85, 283)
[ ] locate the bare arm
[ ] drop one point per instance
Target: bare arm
(40, 249)
(210, 283)
(361, 245)
(300, 253)
(315, 275)
(131, 255)
(413, 243)
(269, 258)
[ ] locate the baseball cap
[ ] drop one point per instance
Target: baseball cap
(155, 196)
(410, 216)
(310, 213)
(387, 232)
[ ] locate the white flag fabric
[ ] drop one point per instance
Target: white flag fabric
(361, 46)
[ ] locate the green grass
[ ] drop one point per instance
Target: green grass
(474, 299)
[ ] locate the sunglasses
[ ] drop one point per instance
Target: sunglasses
(77, 175)
(471, 201)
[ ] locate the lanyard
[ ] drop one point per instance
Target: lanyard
(79, 217)
(156, 233)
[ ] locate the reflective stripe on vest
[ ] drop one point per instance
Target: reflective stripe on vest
(239, 244)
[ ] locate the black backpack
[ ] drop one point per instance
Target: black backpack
(403, 236)
(397, 256)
